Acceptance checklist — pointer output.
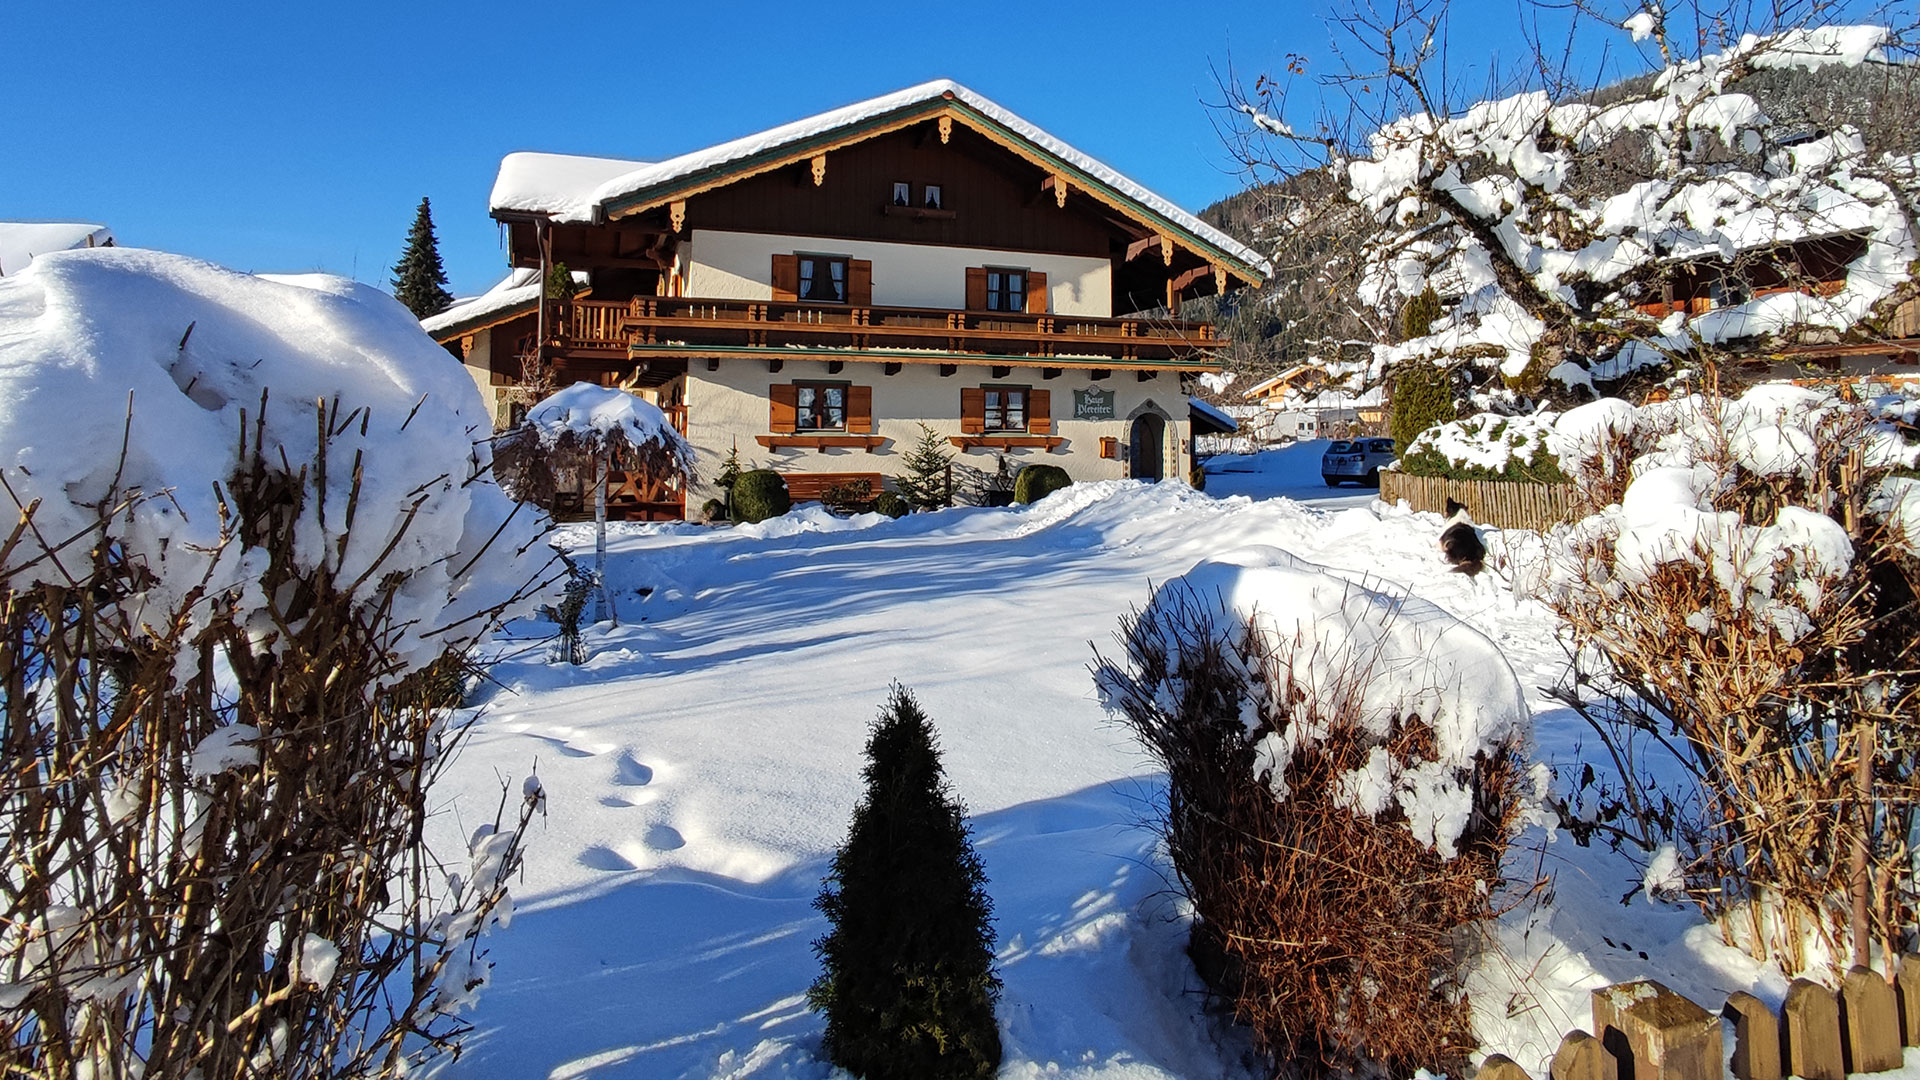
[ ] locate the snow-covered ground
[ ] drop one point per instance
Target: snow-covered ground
(702, 767)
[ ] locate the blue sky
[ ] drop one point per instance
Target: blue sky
(292, 137)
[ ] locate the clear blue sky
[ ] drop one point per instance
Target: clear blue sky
(289, 137)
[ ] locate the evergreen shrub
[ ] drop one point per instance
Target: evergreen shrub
(906, 981)
(1036, 482)
(891, 504)
(1422, 397)
(760, 494)
(713, 510)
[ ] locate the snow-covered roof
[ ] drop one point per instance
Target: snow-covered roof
(1215, 415)
(1285, 377)
(572, 189)
(20, 241)
(514, 294)
(559, 184)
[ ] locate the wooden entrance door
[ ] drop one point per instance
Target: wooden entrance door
(1144, 460)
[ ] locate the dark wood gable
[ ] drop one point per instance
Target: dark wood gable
(990, 198)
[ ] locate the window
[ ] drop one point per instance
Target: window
(823, 279)
(1006, 408)
(902, 193)
(931, 200)
(1006, 290)
(820, 407)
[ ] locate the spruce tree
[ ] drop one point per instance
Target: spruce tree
(419, 280)
(927, 482)
(1422, 397)
(907, 980)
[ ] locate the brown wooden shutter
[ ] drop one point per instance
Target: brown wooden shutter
(860, 282)
(1039, 412)
(976, 288)
(973, 409)
(1036, 295)
(785, 398)
(860, 410)
(786, 277)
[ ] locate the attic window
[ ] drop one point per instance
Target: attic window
(931, 200)
(902, 193)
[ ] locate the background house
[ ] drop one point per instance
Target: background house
(20, 241)
(776, 294)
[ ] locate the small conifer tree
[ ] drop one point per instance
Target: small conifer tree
(730, 471)
(1418, 317)
(1422, 397)
(419, 279)
(928, 481)
(906, 981)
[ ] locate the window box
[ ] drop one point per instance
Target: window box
(1007, 442)
(869, 443)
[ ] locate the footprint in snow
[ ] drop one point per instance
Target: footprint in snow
(631, 773)
(665, 838)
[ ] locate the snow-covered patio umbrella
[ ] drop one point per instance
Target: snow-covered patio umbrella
(598, 428)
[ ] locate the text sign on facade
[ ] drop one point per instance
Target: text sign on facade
(1093, 403)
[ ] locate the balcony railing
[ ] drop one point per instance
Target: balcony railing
(668, 324)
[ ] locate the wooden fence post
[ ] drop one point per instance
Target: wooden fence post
(1869, 1022)
(1811, 1032)
(1756, 1048)
(1500, 1067)
(1910, 999)
(1665, 1036)
(1581, 1057)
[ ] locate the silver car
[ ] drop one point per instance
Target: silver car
(1358, 460)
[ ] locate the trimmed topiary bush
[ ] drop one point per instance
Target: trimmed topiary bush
(760, 494)
(1036, 482)
(906, 980)
(1487, 447)
(713, 510)
(891, 504)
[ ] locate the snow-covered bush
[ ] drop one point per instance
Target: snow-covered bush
(1583, 234)
(906, 980)
(1748, 603)
(1344, 773)
(1487, 446)
(252, 518)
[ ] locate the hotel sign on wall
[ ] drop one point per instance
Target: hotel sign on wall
(1093, 403)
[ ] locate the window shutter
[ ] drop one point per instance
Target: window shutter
(1036, 295)
(786, 277)
(860, 410)
(860, 282)
(785, 398)
(976, 288)
(973, 408)
(1039, 416)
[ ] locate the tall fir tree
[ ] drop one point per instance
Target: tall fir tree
(419, 280)
(906, 979)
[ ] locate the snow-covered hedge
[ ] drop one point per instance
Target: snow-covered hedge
(1487, 446)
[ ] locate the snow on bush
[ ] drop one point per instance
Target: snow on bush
(254, 527)
(1344, 767)
(1487, 446)
(130, 371)
(1553, 225)
(1747, 604)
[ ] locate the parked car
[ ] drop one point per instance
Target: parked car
(1358, 460)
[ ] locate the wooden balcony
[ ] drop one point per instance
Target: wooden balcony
(684, 327)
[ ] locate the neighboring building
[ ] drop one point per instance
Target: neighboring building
(20, 241)
(814, 293)
(1304, 402)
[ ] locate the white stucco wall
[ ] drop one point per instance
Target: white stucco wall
(739, 266)
(729, 407)
(478, 364)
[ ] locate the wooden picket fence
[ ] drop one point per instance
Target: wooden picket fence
(1645, 1031)
(1504, 504)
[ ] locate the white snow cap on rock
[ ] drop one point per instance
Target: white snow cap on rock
(1414, 657)
(132, 371)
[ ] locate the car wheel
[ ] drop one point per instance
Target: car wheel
(1332, 481)
(1373, 478)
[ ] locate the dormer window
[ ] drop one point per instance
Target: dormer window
(823, 279)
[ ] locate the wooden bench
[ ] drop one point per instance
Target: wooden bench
(812, 486)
